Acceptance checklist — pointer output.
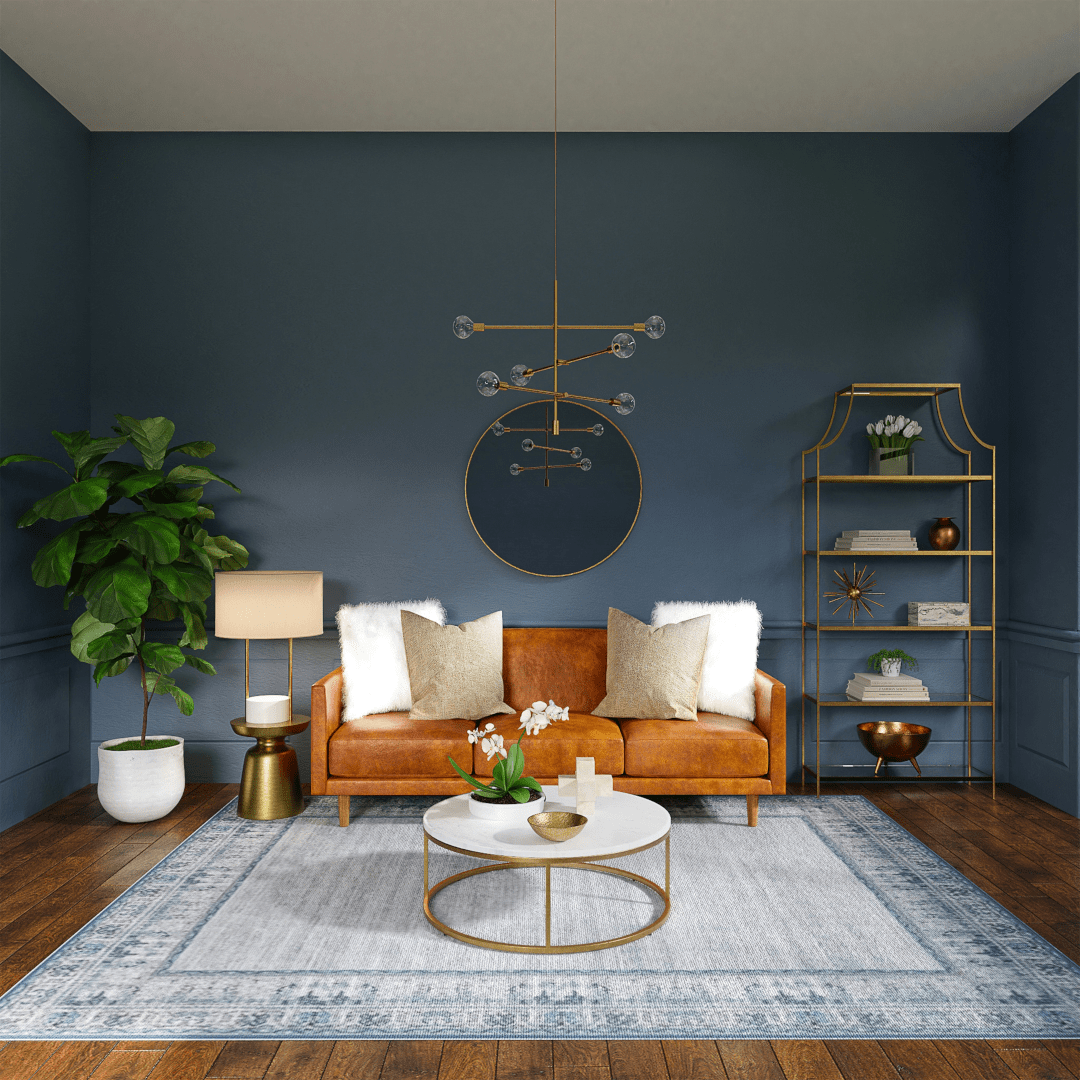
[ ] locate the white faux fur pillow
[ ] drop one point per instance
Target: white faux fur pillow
(727, 674)
(373, 655)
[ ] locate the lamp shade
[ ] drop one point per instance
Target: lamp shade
(268, 603)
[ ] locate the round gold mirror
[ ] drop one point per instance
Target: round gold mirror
(559, 512)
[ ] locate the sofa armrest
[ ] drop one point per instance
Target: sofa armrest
(770, 708)
(325, 720)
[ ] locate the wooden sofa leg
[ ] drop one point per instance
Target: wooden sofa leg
(343, 810)
(751, 810)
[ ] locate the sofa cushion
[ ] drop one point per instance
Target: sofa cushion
(716, 745)
(454, 671)
(390, 744)
(653, 671)
(567, 664)
(555, 749)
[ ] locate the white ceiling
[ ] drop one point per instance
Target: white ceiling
(486, 65)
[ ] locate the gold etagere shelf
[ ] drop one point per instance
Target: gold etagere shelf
(813, 698)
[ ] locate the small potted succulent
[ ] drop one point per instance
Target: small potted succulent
(510, 797)
(891, 441)
(889, 662)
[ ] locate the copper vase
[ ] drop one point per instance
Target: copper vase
(944, 535)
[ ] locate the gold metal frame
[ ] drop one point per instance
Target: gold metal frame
(968, 478)
(592, 863)
(637, 511)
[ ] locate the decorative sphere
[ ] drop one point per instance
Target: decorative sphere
(463, 326)
(575, 454)
(625, 406)
(655, 327)
(584, 464)
(623, 346)
(527, 445)
(487, 382)
(515, 469)
(518, 376)
(598, 429)
(497, 428)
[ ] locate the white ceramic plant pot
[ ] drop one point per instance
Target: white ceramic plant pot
(890, 668)
(506, 813)
(140, 785)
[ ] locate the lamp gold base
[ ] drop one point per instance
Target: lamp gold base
(270, 785)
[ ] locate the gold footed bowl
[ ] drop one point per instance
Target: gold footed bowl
(557, 825)
(892, 741)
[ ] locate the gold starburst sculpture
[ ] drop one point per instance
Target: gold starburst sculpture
(854, 592)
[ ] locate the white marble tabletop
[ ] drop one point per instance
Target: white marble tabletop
(620, 824)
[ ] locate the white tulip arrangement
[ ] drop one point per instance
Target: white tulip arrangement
(894, 433)
(536, 718)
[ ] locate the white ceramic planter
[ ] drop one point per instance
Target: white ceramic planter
(140, 785)
(506, 813)
(891, 668)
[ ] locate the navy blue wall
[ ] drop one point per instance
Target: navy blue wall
(1044, 388)
(45, 378)
(290, 297)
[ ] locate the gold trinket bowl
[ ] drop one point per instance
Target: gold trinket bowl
(557, 825)
(893, 741)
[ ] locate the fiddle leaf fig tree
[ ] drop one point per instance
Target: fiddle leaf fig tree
(152, 563)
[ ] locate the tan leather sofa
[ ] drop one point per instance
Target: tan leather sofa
(389, 754)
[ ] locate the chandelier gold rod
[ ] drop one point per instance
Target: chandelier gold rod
(530, 372)
(537, 468)
(480, 327)
(561, 395)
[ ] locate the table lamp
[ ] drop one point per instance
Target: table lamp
(266, 604)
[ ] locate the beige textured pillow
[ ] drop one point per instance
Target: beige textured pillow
(455, 672)
(653, 672)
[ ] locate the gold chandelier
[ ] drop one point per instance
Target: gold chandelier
(622, 345)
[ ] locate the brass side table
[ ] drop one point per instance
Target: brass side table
(270, 786)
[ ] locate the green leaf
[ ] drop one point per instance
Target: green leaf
(528, 781)
(150, 437)
(84, 630)
(52, 566)
(498, 775)
(175, 510)
(228, 554)
(11, 459)
(515, 764)
(119, 591)
(194, 630)
(111, 645)
(72, 441)
(162, 658)
(519, 794)
(156, 538)
(184, 581)
(199, 664)
(205, 513)
(91, 452)
(197, 474)
(117, 470)
(111, 667)
(491, 792)
(192, 449)
(188, 494)
(138, 481)
(73, 501)
(182, 699)
(195, 553)
(94, 548)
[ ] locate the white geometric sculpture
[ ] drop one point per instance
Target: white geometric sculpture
(585, 785)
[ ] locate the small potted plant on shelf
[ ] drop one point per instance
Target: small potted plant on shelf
(891, 441)
(510, 797)
(889, 661)
(154, 564)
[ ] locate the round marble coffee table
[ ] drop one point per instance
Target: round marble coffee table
(621, 825)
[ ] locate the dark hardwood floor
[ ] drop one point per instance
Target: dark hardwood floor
(63, 865)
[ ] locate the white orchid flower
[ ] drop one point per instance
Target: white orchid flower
(879, 427)
(539, 706)
(493, 746)
(533, 721)
(555, 712)
(476, 734)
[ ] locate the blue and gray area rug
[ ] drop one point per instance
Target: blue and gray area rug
(826, 921)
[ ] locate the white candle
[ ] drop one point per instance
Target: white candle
(267, 710)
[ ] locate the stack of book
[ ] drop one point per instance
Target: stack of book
(876, 540)
(867, 687)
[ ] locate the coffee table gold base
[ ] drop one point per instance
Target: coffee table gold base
(270, 784)
(569, 864)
